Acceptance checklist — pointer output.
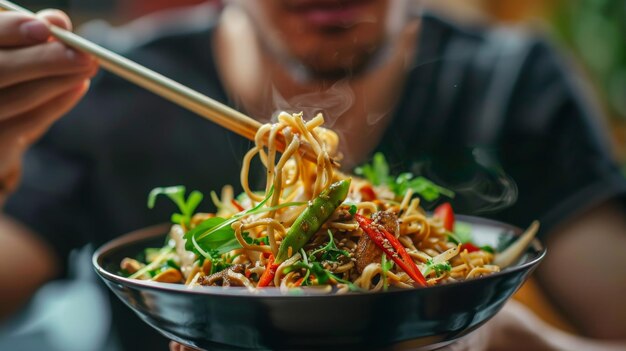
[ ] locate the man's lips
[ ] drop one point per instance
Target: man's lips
(327, 13)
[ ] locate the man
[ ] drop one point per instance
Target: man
(415, 87)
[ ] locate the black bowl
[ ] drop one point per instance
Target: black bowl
(217, 318)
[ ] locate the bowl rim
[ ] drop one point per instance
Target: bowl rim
(273, 292)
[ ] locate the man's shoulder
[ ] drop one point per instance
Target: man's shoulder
(480, 39)
(489, 65)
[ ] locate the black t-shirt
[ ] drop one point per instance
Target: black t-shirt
(495, 95)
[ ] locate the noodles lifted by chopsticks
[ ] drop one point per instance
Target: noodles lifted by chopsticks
(312, 226)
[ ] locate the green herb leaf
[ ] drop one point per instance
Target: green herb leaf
(488, 248)
(330, 251)
(322, 275)
(378, 174)
(187, 207)
(216, 234)
(352, 209)
(438, 268)
(221, 239)
(386, 265)
(255, 241)
(419, 185)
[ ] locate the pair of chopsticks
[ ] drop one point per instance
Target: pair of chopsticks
(167, 88)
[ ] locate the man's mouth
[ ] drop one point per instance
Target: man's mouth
(327, 13)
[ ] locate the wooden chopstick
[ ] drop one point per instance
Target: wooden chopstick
(167, 88)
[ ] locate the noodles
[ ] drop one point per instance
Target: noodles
(238, 244)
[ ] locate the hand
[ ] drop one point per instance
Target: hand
(40, 80)
(515, 327)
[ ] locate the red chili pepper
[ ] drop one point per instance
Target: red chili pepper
(268, 276)
(367, 193)
(299, 282)
(248, 273)
(445, 212)
(237, 205)
(380, 237)
(469, 247)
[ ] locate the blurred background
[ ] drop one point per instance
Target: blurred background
(592, 31)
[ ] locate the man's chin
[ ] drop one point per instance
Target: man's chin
(335, 69)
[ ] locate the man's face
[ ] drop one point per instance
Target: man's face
(329, 37)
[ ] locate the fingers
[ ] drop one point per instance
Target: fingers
(17, 133)
(56, 17)
(23, 97)
(52, 58)
(17, 29)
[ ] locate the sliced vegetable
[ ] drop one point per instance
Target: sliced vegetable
(311, 219)
(237, 205)
(469, 247)
(367, 193)
(386, 266)
(445, 212)
(268, 276)
(392, 248)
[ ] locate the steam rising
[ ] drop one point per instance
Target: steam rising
(485, 187)
(332, 102)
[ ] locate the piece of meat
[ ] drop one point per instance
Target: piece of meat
(366, 251)
(388, 220)
(222, 278)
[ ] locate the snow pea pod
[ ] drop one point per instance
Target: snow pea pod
(311, 219)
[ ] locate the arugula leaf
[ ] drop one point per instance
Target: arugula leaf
(216, 234)
(177, 195)
(221, 240)
(330, 251)
(378, 174)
